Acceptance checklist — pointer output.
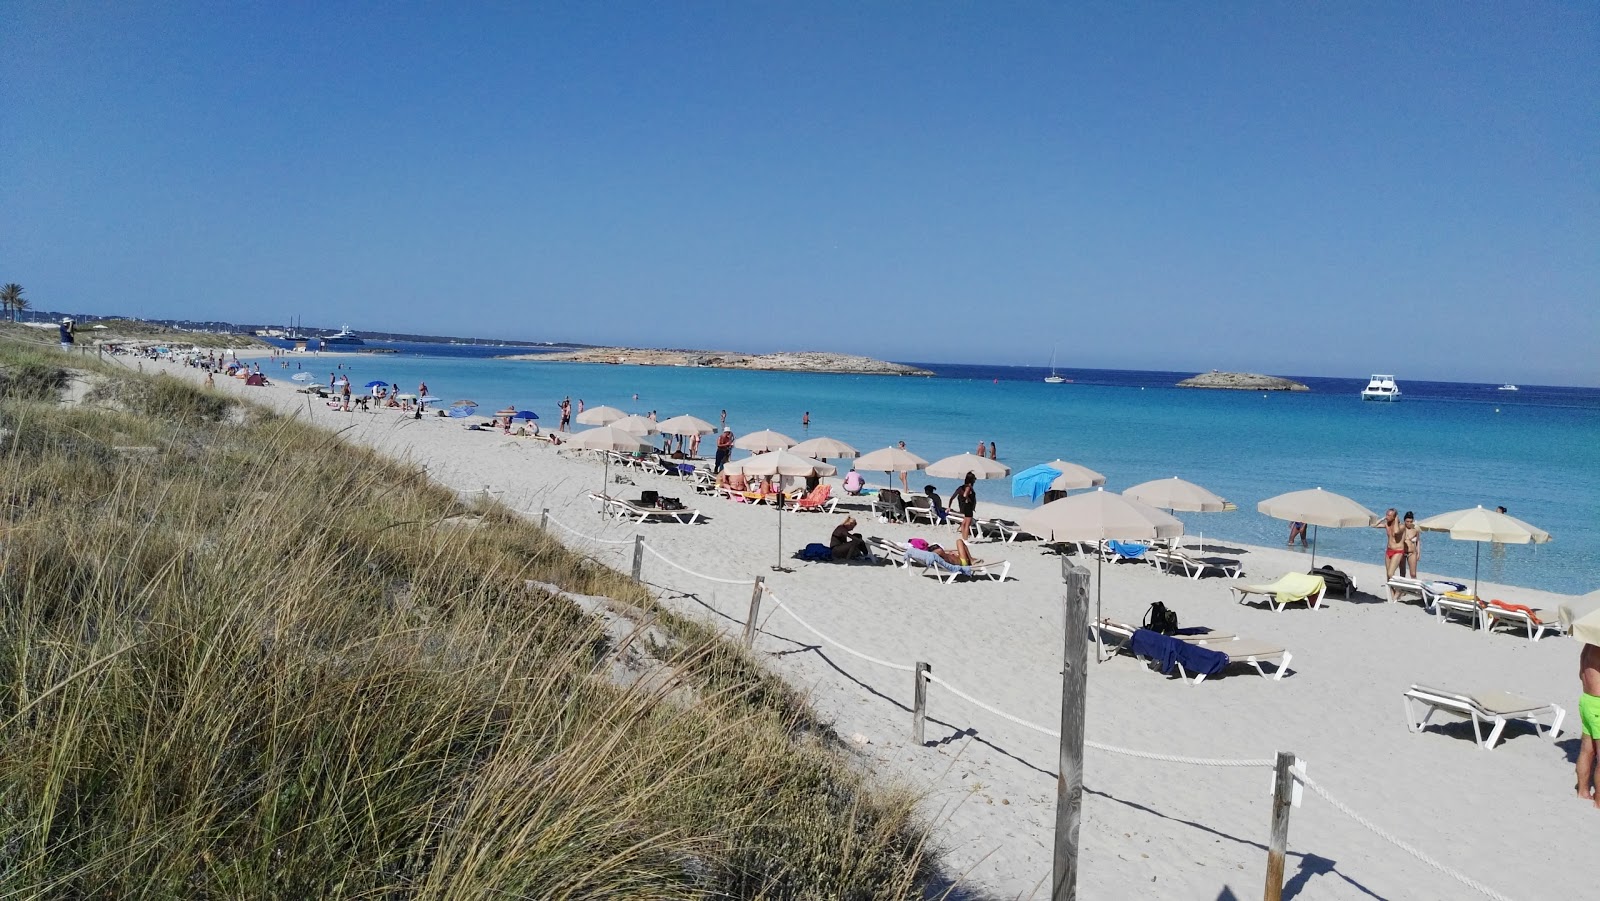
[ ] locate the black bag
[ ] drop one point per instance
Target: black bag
(670, 503)
(1159, 619)
(647, 498)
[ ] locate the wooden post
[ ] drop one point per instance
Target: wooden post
(755, 612)
(544, 518)
(1069, 782)
(1278, 844)
(638, 557)
(919, 703)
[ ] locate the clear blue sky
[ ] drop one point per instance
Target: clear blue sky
(1308, 188)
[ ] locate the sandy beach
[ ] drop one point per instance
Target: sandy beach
(1507, 818)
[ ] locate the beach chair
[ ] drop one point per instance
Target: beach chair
(1493, 708)
(1205, 654)
(1179, 561)
(820, 499)
(893, 551)
(639, 513)
(1289, 588)
(920, 509)
(1124, 550)
(1000, 529)
(1536, 622)
(1405, 589)
(1112, 635)
(1460, 604)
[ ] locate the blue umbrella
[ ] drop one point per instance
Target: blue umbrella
(461, 412)
(525, 414)
(376, 385)
(1034, 481)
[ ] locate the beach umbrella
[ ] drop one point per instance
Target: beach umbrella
(1479, 525)
(823, 448)
(455, 412)
(303, 377)
(636, 424)
(763, 441)
(1581, 618)
(1097, 516)
(1176, 494)
(958, 466)
(376, 384)
(525, 415)
(781, 462)
(464, 403)
(600, 416)
(1316, 507)
(1057, 475)
(890, 459)
(604, 439)
(685, 425)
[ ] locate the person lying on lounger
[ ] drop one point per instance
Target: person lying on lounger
(959, 555)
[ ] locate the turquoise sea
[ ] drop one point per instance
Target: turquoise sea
(1443, 447)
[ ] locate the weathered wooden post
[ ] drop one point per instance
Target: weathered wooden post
(544, 518)
(1069, 782)
(919, 703)
(638, 557)
(755, 612)
(1278, 844)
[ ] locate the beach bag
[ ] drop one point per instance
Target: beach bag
(670, 503)
(648, 498)
(815, 551)
(1159, 619)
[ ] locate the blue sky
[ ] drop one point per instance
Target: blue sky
(1307, 188)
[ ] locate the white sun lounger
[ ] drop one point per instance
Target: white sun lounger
(1536, 624)
(1109, 633)
(625, 509)
(1239, 650)
(1289, 588)
(1176, 560)
(1471, 609)
(1492, 708)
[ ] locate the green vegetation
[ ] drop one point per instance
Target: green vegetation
(11, 299)
(241, 659)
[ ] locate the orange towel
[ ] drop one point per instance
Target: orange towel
(1518, 608)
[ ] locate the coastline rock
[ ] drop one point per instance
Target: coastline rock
(1242, 381)
(787, 361)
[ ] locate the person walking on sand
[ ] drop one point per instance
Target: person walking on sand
(724, 449)
(965, 500)
(1395, 535)
(1411, 563)
(1589, 716)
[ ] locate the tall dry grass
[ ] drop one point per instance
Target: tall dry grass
(241, 659)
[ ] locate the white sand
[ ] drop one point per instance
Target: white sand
(1151, 829)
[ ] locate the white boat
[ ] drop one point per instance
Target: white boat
(1381, 387)
(342, 336)
(1508, 387)
(1052, 378)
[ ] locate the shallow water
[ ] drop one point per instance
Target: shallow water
(1442, 447)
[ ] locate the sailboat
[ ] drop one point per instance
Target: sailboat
(1052, 378)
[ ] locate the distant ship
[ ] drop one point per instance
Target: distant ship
(1052, 378)
(1508, 387)
(1381, 387)
(342, 336)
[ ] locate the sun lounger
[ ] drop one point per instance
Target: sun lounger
(1208, 654)
(1492, 708)
(1001, 529)
(819, 500)
(1536, 622)
(1456, 603)
(921, 510)
(948, 572)
(1289, 587)
(1125, 550)
(1177, 560)
(626, 509)
(1112, 635)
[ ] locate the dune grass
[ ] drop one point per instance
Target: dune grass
(241, 659)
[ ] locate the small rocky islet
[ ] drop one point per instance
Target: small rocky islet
(790, 361)
(1242, 381)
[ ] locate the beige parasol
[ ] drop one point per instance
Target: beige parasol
(1480, 525)
(958, 466)
(1177, 494)
(890, 459)
(600, 416)
(637, 425)
(1316, 507)
(763, 441)
(782, 462)
(1581, 617)
(607, 438)
(825, 449)
(685, 425)
(1097, 516)
(1074, 476)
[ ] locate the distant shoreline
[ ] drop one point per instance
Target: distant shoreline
(789, 361)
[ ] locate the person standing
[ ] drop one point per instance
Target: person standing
(993, 454)
(1297, 529)
(805, 421)
(1395, 547)
(965, 500)
(1589, 717)
(905, 483)
(566, 414)
(724, 422)
(1411, 562)
(982, 451)
(724, 449)
(694, 445)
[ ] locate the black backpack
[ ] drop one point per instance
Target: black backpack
(1159, 619)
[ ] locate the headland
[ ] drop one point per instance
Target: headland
(1242, 381)
(786, 361)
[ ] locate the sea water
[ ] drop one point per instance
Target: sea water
(1442, 447)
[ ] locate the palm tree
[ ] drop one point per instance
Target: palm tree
(17, 306)
(10, 296)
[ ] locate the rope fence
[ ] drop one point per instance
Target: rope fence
(924, 674)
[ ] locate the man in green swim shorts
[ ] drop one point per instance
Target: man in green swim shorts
(1589, 714)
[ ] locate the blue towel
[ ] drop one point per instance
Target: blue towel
(1127, 550)
(1167, 653)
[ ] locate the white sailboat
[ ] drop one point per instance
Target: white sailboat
(1052, 378)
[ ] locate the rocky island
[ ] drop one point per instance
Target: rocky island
(1242, 381)
(788, 361)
